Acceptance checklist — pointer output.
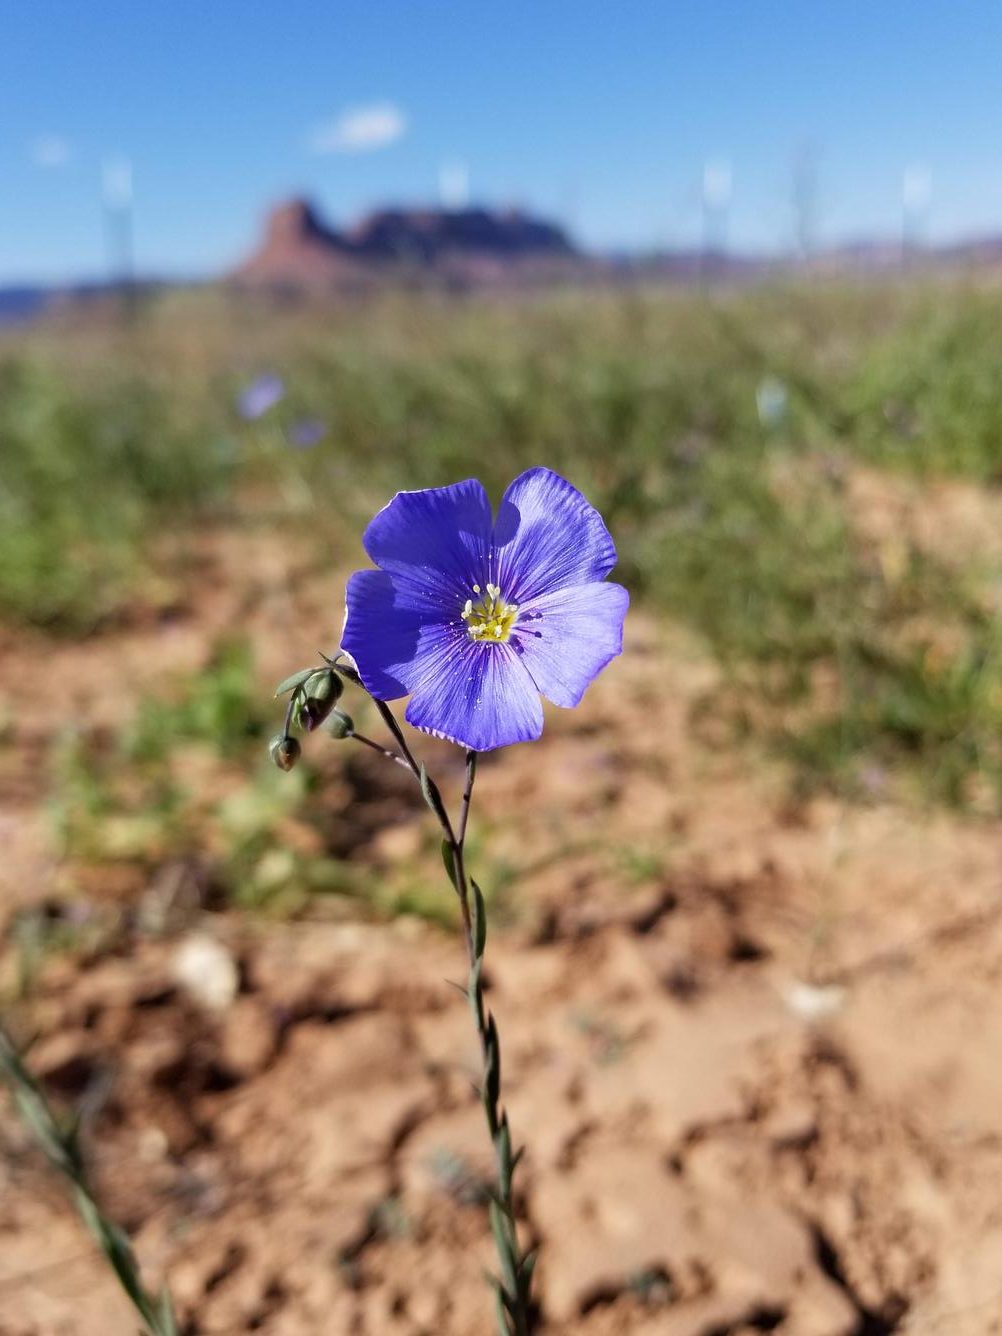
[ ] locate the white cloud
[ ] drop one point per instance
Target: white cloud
(360, 130)
(49, 151)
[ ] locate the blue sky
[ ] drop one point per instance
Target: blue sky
(603, 114)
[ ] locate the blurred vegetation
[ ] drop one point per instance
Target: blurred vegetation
(86, 468)
(720, 435)
(184, 785)
(159, 788)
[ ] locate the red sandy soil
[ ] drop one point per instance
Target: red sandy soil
(760, 1088)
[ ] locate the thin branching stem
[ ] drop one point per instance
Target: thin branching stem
(388, 752)
(464, 815)
(513, 1289)
(459, 858)
(391, 723)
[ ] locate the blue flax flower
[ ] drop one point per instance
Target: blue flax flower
(307, 433)
(474, 618)
(257, 398)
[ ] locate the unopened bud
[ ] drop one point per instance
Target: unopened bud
(339, 724)
(285, 751)
(321, 693)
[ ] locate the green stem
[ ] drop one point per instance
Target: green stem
(389, 719)
(514, 1287)
(62, 1149)
(378, 747)
(514, 1290)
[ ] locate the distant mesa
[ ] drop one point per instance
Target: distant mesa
(503, 249)
(300, 250)
(433, 234)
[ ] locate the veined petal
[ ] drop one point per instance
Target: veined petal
(388, 633)
(567, 637)
(437, 540)
(547, 536)
(478, 695)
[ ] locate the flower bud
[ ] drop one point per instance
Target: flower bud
(339, 724)
(321, 693)
(285, 751)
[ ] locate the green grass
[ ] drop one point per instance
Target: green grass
(87, 472)
(928, 397)
(185, 776)
(739, 528)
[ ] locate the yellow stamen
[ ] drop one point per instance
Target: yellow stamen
(494, 618)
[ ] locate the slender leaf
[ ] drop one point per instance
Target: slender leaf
(449, 859)
(432, 796)
(294, 680)
(479, 920)
(501, 1228)
(502, 1143)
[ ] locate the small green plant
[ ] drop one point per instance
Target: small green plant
(139, 797)
(474, 614)
(60, 1142)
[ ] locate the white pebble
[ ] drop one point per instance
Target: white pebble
(205, 969)
(813, 1003)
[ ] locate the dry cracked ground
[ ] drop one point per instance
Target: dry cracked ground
(759, 1082)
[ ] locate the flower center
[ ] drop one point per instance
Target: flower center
(490, 618)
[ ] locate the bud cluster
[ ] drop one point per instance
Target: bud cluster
(313, 697)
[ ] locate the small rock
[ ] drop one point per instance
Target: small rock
(206, 970)
(813, 1003)
(153, 1145)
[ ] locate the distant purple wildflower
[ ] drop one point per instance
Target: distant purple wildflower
(264, 393)
(307, 433)
(475, 618)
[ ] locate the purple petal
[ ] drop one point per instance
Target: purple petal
(437, 542)
(262, 394)
(565, 638)
(547, 537)
(306, 434)
(478, 695)
(386, 633)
